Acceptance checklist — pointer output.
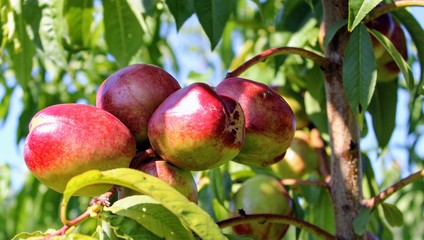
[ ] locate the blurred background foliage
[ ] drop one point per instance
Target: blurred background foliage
(60, 52)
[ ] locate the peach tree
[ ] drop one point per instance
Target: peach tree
(248, 119)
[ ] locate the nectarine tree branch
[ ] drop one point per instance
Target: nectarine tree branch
(263, 56)
(346, 166)
(374, 201)
(386, 8)
(292, 181)
(276, 218)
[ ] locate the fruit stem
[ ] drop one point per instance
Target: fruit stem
(276, 218)
(374, 201)
(142, 156)
(95, 207)
(386, 8)
(263, 56)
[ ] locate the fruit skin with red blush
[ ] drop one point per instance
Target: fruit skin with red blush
(196, 129)
(133, 93)
(66, 140)
(180, 179)
(261, 194)
(270, 122)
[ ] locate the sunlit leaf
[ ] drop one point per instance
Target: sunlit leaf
(123, 32)
(213, 16)
(51, 31)
(193, 216)
(358, 10)
(79, 18)
(401, 63)
(181, 10)
(392, 214)
(22, 51)
(383, 111)
(361, 221)
(152, 215)
(359, 72)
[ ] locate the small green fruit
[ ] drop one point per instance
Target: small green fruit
(259, 195)
(300, 159)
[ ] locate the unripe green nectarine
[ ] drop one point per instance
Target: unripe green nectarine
(259, 195)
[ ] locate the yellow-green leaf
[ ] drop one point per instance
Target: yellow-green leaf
(189, 213)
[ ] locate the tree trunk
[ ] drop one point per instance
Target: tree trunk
(346, 170)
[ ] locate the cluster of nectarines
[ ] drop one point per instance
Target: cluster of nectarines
(141, 106)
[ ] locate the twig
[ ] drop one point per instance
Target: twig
(386, 8)
(374, 201)
(276, 218)
(263, 56)
(95, 207)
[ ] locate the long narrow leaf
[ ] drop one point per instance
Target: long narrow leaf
(193, 216)
(213, 16)
(123, 32)
(401, 63)
(359, 71)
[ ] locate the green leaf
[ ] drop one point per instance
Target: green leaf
(333, 30)
(152, 215)
(358, 9)
(359, 72)
(181, 10)
(22, 51)
(315, 103)
(79, 18)
(392, 214)
(361, 221)
(193, 216)
(126, 228)
(5, 103)
(221, 184)
(321, 212)
(401, 63)
(25, 235)
(213, 16)
(123, 33)
(383, 111)
(51, 31)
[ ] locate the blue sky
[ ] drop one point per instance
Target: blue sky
(12, 153)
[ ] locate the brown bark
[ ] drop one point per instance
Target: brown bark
(343, 129)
